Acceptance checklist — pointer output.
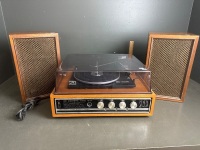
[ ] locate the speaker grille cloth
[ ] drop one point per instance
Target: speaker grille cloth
(168, 63)
(37, 61)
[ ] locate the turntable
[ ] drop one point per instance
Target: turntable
(102, 85)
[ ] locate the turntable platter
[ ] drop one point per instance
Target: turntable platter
(96, 77)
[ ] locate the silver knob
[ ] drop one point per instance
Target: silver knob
(100, 105)
(122, 105)
(133, 105)
(111, 105)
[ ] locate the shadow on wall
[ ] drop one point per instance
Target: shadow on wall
(6, 61)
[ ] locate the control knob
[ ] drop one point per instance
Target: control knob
(111, 105)
(133, 105)
(100, 105)
(122, 105)
(89, 104)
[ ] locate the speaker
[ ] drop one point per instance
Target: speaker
(170, 58)
(36, 58)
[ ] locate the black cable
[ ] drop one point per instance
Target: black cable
(28, 106)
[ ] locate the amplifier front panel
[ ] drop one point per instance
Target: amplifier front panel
(133, 105)
(102, 105)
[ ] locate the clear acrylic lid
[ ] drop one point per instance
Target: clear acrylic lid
(101, 62)
(102, 74)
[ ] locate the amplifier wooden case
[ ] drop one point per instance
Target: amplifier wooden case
(94, 99)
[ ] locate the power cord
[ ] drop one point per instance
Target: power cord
(28, 106)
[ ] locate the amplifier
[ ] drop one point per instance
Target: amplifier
(102, 105)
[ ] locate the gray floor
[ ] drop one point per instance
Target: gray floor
(173, 124)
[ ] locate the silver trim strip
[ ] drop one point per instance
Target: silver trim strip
(102, 109)
(101, 98)
(117, 112)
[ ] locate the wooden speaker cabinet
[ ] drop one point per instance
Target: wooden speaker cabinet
(170, 58)
(36, 57)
